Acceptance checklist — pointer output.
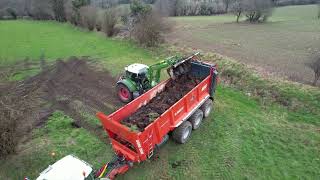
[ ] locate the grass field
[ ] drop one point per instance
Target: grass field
(242, 139)
(31, 39)
(282, 45)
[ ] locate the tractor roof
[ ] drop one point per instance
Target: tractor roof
(67, 168)
(137, 68)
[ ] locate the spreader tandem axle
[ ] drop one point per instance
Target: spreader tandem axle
(138, 141)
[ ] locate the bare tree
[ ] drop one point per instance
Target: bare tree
(315, 66)
(58, 10)
(88, 16)
(258, 10)
(41, 10)
(73, 10)
(104, 3)
(16, 5)
(254, 10)
(146, 24)
(27, 7)
(237, 9)
(12, 12)
(109, 22)
(137, 7)
(165, 7)
(227, 4)
(149, 29)
(319, 10)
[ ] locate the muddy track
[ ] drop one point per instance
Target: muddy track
(72, 86)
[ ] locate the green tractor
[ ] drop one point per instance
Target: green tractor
(139, 78)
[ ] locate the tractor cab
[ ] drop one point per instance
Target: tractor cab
(68, 168)
(138, 74)
(136, 71)
(133, 83)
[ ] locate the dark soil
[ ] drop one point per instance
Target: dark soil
(73, 87)
(173, 92)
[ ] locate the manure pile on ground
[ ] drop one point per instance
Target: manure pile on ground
(72, 86)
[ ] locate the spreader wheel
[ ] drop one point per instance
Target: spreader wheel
(207, 107)
(196, 119)
(124, 93)
(182, 133)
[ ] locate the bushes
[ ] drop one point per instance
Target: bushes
(165, 7)
(195, 8)
(104, 3)
(314, 65)
(237, 9)
(188, 8)
(74, 11)
(88, 15)
(148, 30)
(254, 10)
(258, 10)
(146, 25)
(8, 13)
(58, 10)
(294, 2)
(143, 23)
(41, 10)
(12, 12)
(109, 22)
(2, 13)
(138, 8)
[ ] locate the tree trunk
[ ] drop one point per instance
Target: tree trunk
(316, 78)
(238, 16)
(319, 10)
(227, 7)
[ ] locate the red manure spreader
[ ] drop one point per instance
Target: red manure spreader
(161, 114)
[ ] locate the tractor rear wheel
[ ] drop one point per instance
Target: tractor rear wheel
(207, 107)
(182, 133)
(196, 119)
(124, 94)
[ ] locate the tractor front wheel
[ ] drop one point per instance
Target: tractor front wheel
(124, 94)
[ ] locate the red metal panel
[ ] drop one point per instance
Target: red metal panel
(128, 153)
(178, 111)
(117, 128)
(163, 125)
(158, 136)
(191, 99)
(203, 88)
(134, 105)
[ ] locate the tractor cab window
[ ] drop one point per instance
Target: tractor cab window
(131, 75)
(136, 77)
(142, 75)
